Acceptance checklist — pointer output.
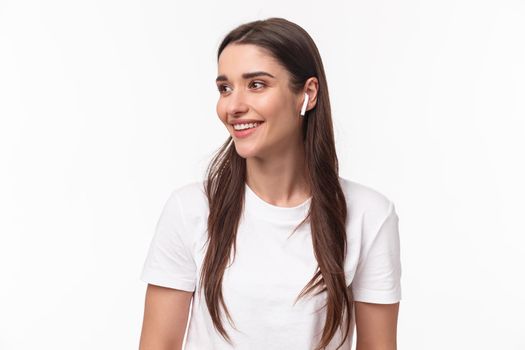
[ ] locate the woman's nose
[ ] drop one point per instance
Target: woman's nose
(237, 103)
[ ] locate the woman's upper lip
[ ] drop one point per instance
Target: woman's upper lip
(246, 121)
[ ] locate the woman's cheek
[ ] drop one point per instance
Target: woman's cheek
(220, 112)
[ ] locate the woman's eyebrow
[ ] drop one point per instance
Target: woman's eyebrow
(245, 75)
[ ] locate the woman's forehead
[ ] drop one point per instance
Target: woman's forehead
(238, 59)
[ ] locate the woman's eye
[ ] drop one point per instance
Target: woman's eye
(258, 82)
(221, 88)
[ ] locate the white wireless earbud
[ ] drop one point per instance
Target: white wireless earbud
(303, 108)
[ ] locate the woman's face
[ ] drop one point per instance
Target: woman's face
(264, 98)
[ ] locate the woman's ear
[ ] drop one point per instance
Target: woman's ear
(311, 88)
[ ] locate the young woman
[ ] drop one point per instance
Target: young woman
(276, 250)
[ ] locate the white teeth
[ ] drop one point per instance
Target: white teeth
(245, 126)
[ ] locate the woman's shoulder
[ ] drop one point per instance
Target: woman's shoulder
(191, 196)
(362, 199)
(366, 200)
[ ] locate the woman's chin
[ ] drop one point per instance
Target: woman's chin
(245, 151)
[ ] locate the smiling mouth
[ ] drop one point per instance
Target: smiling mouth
(253, 127)
(246, 132)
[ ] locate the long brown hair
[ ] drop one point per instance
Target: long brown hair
(293, 47)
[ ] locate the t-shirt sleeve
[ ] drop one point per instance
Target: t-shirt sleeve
(378, 274)
(169, 262)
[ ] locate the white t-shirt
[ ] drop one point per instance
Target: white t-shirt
(271, 267)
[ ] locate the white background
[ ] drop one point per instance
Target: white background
(106, 106)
